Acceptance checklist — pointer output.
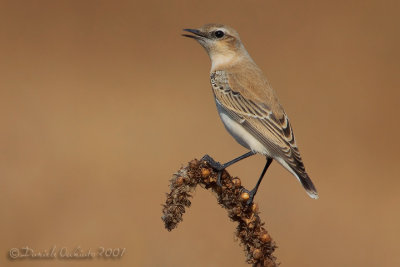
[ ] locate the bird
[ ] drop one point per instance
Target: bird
(248, 106)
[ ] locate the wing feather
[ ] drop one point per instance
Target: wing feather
(270, 127)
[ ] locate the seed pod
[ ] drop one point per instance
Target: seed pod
(193, 163)
(254, 207)
(236, 182)
(245, 196)
(237, 210)
(257, 254)
(179, 181)
(205, 172)
(264, 237)
(269, 263)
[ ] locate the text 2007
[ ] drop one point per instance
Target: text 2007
(110, 252)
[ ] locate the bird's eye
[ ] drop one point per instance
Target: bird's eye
(219, 34)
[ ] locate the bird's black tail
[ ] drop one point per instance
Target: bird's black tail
(307, 183)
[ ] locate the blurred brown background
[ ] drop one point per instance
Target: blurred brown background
(101, 101)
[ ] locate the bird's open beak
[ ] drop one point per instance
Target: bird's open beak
(196, 34)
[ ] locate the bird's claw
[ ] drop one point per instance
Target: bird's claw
(216, 166)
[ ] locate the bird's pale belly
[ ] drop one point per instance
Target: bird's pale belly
(240, 134)
(244, 138)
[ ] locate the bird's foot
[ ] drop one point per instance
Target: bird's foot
(216, 166)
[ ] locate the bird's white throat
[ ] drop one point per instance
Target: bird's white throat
(222, 59)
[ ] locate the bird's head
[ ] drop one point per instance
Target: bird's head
(221, 42)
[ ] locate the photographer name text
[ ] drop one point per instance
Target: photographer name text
(79, 253)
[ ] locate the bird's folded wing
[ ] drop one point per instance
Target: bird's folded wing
(257, 118)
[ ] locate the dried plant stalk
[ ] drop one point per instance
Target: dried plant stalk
(255, 239)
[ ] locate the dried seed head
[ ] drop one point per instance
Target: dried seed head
(232, 196)
(264, 237)
(236, 182)
(245, 196)
(257, 254)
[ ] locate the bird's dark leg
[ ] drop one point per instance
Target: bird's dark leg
(221, 167)
(253, 192)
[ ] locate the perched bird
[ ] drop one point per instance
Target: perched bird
(248, 106)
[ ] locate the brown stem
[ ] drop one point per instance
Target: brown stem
(255, 239)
